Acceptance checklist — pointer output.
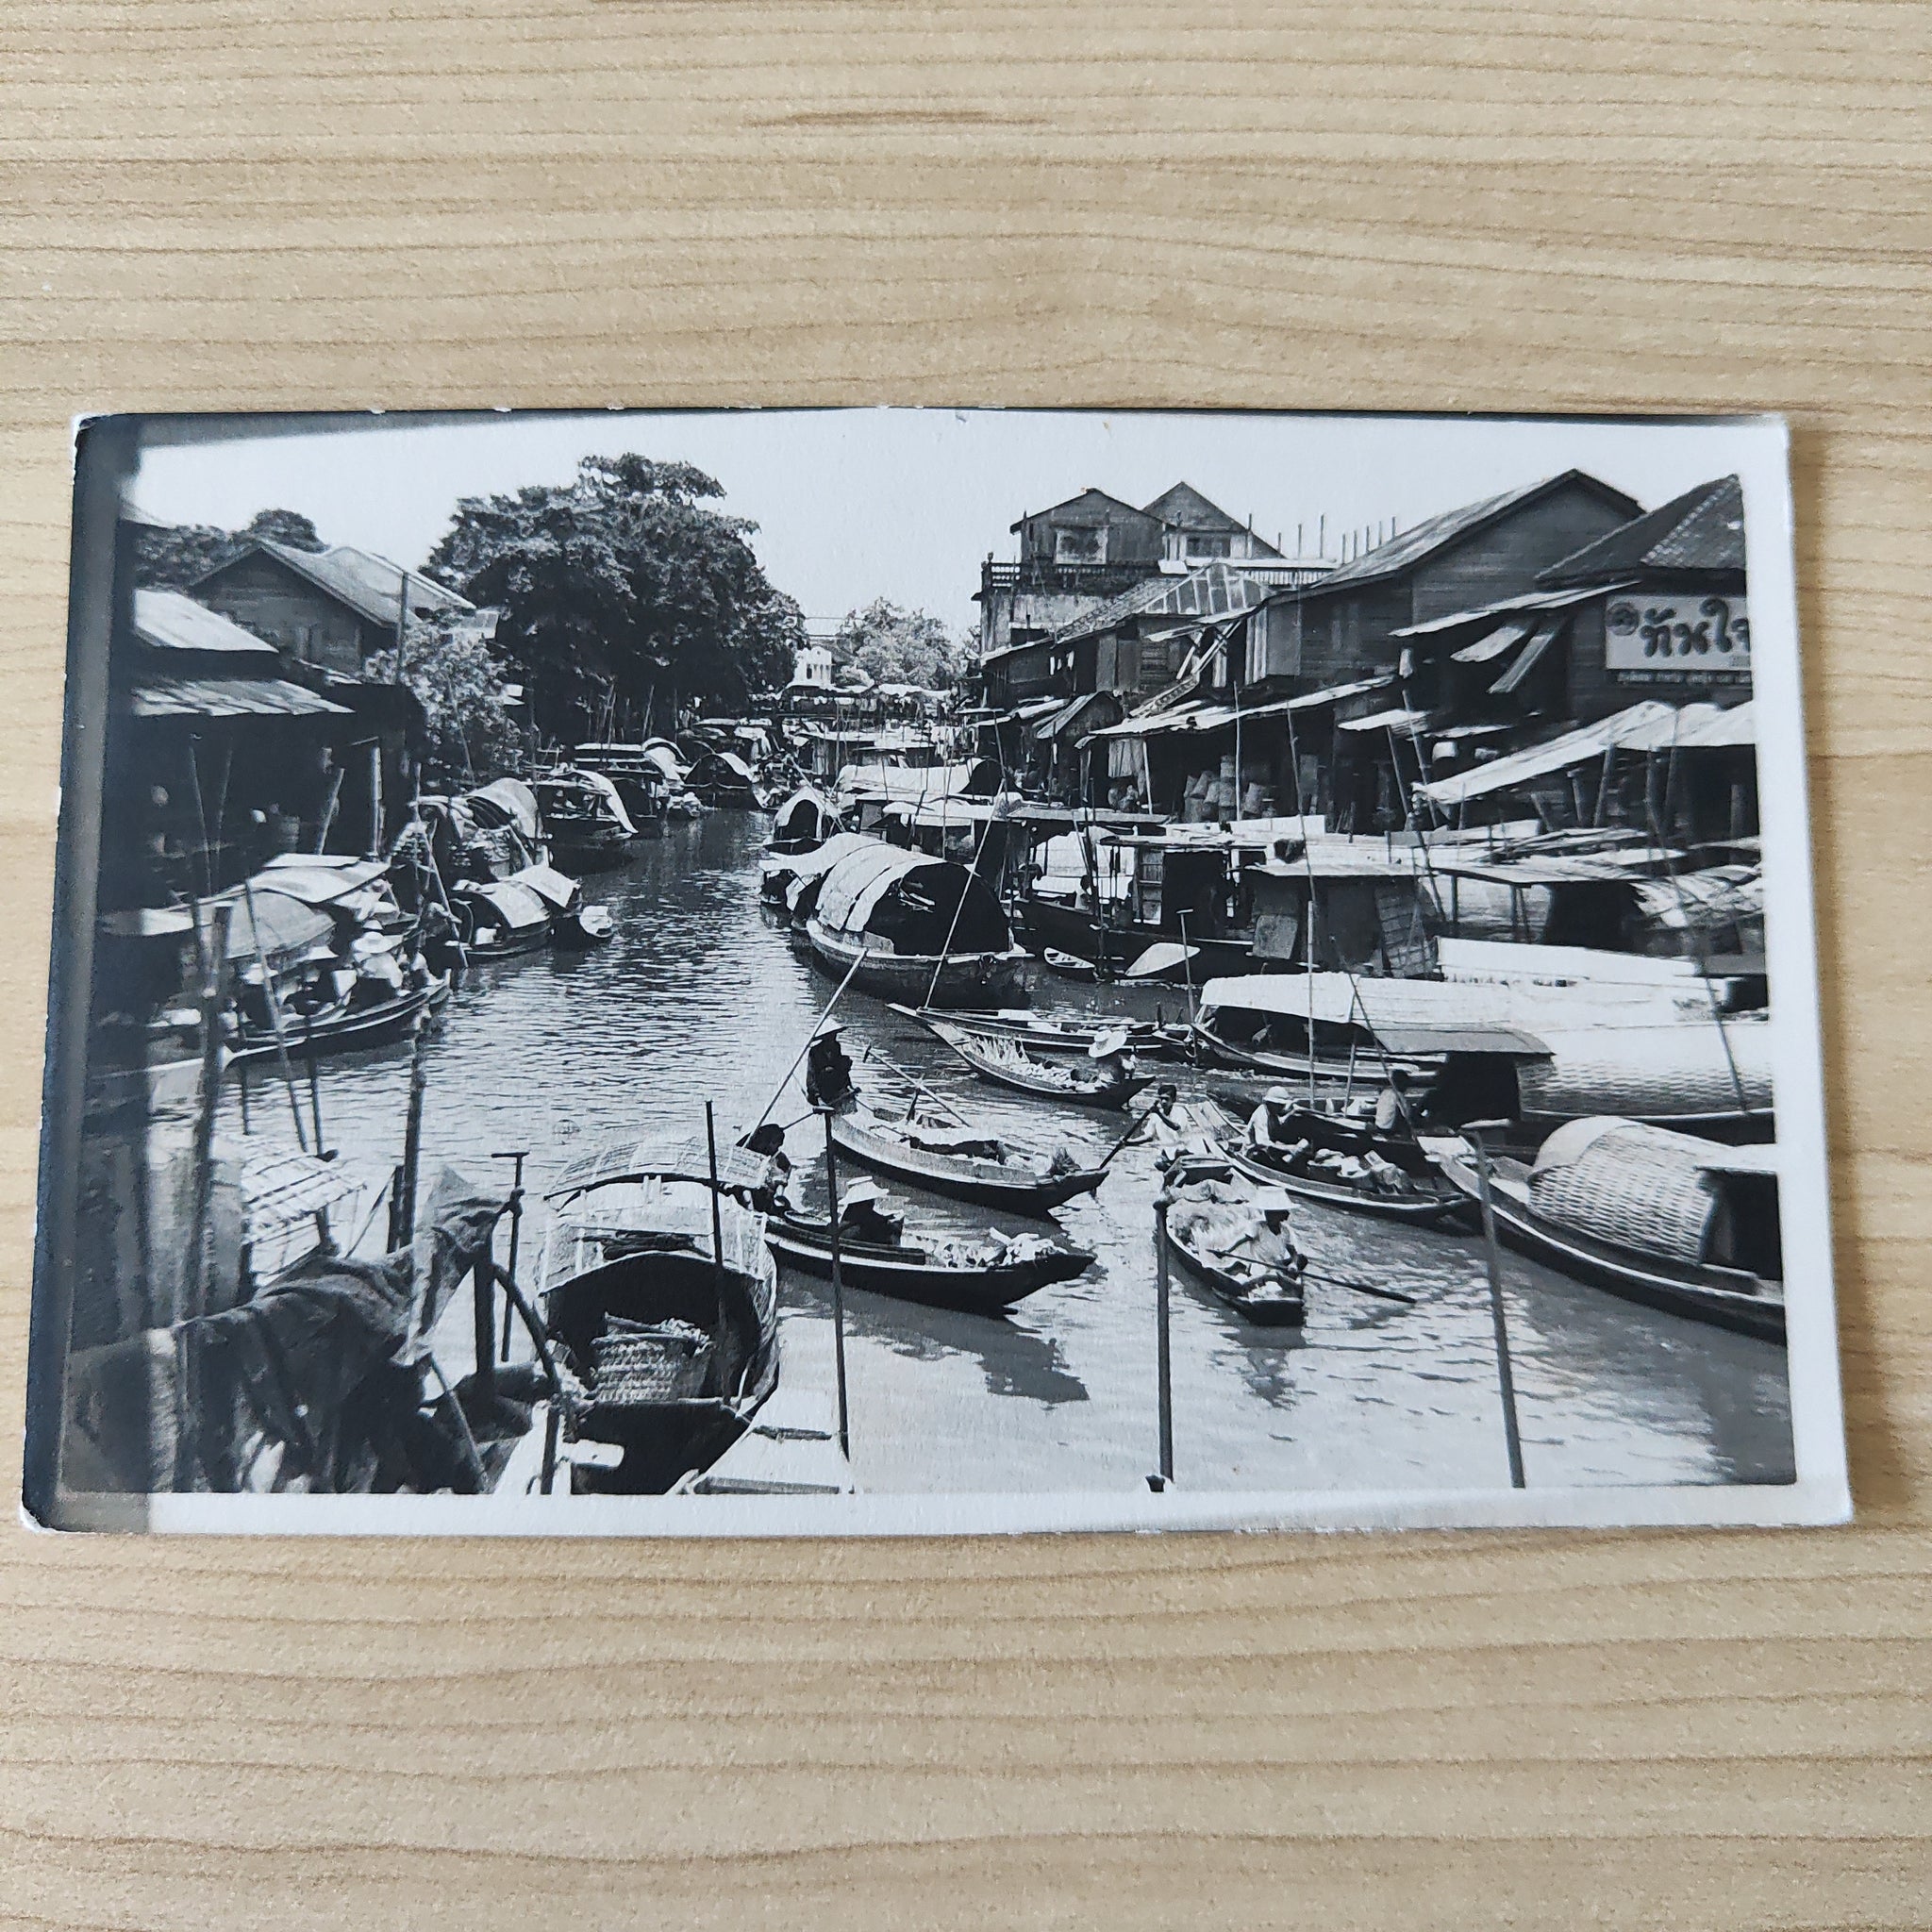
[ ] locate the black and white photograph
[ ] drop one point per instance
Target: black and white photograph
(890, 970)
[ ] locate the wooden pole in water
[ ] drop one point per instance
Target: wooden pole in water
(213, 977)
(275, 1014)
(1162, 1344)
(1493, 1254)
(838, 1291)
(516, 1228)
(404, 1217)
(717, 1242)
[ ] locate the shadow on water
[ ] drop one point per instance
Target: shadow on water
(1013, 1358)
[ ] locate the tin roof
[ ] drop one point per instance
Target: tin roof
(229, 697)
(369, 585)
(1417, 544)
(168, 620)
(1703, 530)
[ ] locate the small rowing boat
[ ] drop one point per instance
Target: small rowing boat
(1102, 1079)
(1236, 1244)
(1044, 1033)
(985, 1277)
(961, 1162)
(1343, 1163)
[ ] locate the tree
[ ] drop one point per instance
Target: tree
(895, 646)
(183, 553)
(462, 684)
(622, 595)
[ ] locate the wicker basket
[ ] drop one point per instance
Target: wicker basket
(668, 1363)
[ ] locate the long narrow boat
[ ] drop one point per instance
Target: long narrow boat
(1681, 1283)
(1046, 1033)
(671, 1332)
(1342, 1164)
(1111, 1081)
(998, 1179)
(980, 1281)
(341, 1028)
(1220, 1238)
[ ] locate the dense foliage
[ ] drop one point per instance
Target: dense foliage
(623, 596)
(897, 646)
(172, 558)
(459, 681)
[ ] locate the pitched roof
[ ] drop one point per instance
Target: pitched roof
(1092, 504)
(1185, 504)
(369, 585)
(1415, 545)
(168, 621)
(1701, 531)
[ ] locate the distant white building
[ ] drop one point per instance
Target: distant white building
(812, 664)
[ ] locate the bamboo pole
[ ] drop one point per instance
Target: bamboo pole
(1493, 1255)
(838, 1291)
(718, 1239)
(213, 977)
(1163, 1355)
(275, 1014)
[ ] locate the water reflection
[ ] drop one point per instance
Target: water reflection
(700, 996)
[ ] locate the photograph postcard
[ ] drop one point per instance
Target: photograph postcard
(918, 971)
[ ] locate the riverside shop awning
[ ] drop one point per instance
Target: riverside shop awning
(1216, 717)
(1644, 727)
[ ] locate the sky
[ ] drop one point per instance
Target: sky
(903, 503)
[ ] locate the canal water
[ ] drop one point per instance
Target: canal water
(700, 996)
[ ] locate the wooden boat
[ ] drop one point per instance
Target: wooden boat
(904, 925)
(502, 918)
(722, 778)
(1108, 1081)
(1608, 1202)
(802, 823)
(674, 1342)
(992, 1175)
(1342, 1163)
(982, 1280)
(1066, 966)
(1225, 1238)
(1111, 943)
(342, 1026)
(584, 819)
(641, 779)
(585, 926)
(1046, 1033)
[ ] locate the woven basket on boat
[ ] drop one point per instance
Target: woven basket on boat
(1633, 1187)
(669, 1363)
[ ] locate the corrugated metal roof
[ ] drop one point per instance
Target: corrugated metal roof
(1508, 607)
(1701, 531)
(229, 697)
(1213, 591)
(168, 621)
(369, 585)
(1435, 533)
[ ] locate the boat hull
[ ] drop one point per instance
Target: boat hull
(1416, 1212)
(986, 1290)
(1015, 1075)
(984, 1182)
(1287, 1310)
(1110, 948)
(962, 979)
(346, 1033)
(1702, 1294)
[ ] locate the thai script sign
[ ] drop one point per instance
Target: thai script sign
(1687, 636)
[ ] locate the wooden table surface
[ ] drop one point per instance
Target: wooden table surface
(1636, 205)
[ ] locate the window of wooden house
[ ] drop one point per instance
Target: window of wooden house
(1077, 545)
(1200, 544)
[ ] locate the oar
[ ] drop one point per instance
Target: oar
(872, 1053)
(1381, 1295)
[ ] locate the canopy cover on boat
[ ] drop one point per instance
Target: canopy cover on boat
(517, 905)
(922, 905)
(278, 927)
(506, 801)
(807, 815)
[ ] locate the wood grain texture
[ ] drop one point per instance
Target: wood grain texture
(1639, 204)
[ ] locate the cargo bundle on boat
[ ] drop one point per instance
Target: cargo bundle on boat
(663, 1300)
(913, 928)
(1660, 1218)
(1235, 1242)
